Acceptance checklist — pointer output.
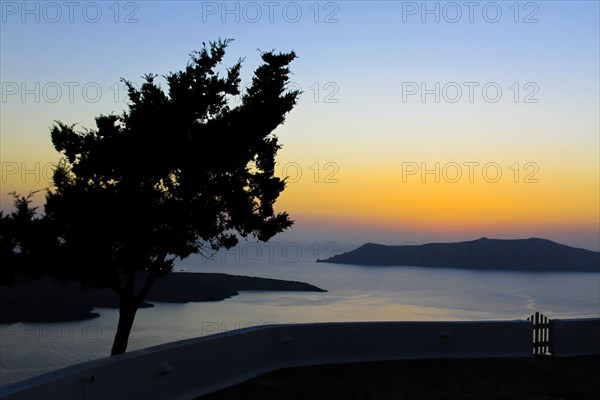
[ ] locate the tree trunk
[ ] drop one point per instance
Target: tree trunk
(129, 304)
(126, 317)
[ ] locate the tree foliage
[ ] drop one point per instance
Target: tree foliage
(28, 245)
(179, 172)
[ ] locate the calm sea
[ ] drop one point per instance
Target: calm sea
(354, 294)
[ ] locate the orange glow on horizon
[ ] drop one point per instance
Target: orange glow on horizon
(383, 201)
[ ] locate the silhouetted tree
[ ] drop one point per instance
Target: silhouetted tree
(180, 172)
(28, 245)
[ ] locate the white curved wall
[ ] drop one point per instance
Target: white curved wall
(575, 337)
(190, 368)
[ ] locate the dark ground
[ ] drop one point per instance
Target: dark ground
(540, 378)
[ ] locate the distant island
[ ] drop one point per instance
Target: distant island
(483, 254)
(49, 300)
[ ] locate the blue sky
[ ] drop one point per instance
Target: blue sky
(358, 56)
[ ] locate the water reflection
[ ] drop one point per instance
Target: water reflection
(354, 294)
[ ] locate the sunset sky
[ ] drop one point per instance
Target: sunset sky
(419, 121)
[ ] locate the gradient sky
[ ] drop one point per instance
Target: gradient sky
(357, 144)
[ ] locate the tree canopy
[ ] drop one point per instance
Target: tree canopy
(28, 244)
(179, 172)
